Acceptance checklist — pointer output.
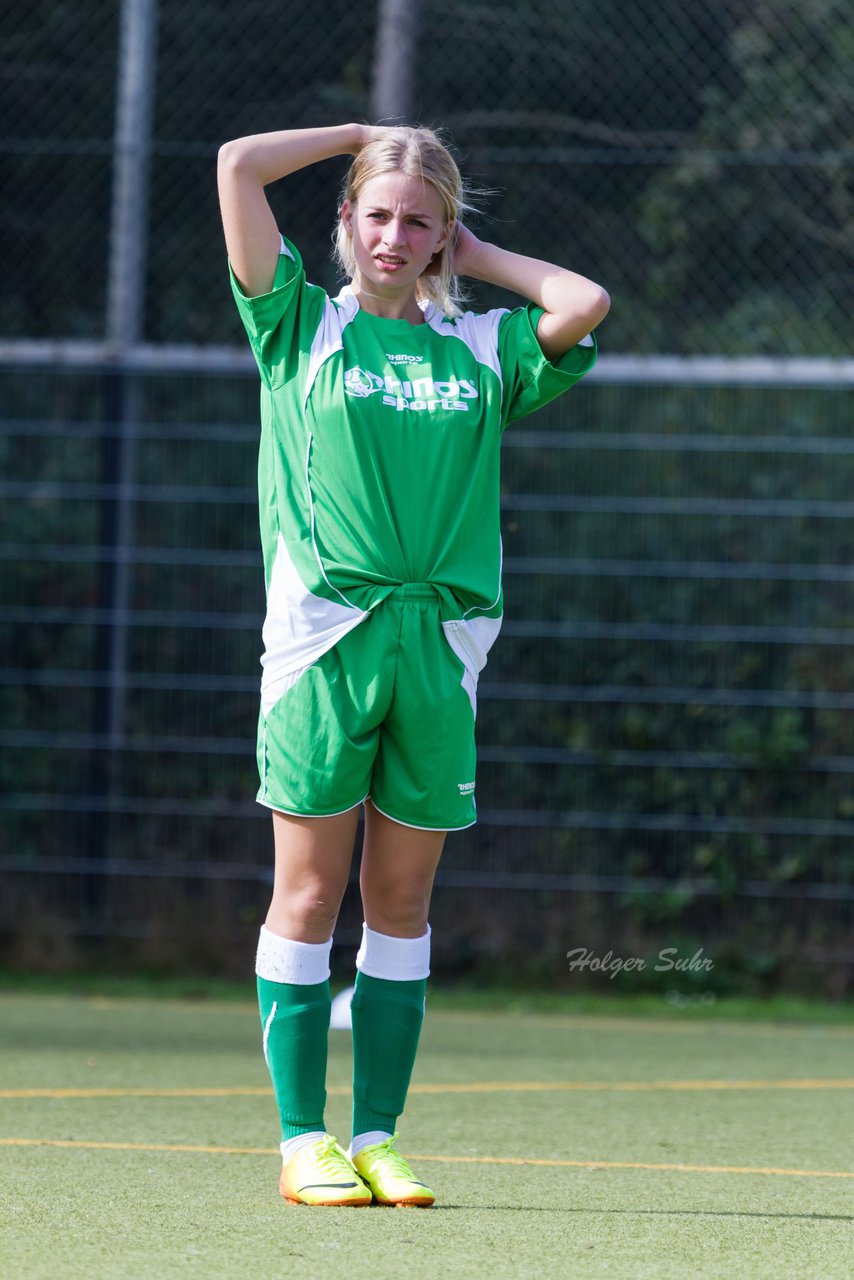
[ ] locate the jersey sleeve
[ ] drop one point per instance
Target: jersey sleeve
(279, 324)
(530, 379)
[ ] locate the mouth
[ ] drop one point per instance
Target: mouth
(389, 261)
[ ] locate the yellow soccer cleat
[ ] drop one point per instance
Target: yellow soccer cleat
(390, 1178)
(321, 1174)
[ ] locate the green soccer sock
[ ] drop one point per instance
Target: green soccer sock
(295, 1021)
(387, 1017)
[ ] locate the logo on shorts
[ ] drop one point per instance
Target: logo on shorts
(466, 788)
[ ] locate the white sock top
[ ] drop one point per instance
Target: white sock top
(362, 1140)
(282, 960)
(291, 1146)
(395, 959)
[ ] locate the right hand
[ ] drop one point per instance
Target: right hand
(370, 133)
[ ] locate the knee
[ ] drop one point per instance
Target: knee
(307, 914)
(402, 912)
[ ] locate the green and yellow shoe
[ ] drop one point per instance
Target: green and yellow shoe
(390, 1178)
(321, 1174)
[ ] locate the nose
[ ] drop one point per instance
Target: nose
(394, 234)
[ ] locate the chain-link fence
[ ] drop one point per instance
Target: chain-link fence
(665, 722)
(697, 159)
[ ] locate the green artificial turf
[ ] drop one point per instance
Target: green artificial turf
(481, 1091)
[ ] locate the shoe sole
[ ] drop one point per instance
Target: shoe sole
(328, 1204)
(347, 1202)
(409, 1202)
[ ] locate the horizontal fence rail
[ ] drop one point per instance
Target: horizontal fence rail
(671, 691)
(665, 721)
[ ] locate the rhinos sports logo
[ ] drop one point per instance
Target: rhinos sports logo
(418, 394)
(360, 383)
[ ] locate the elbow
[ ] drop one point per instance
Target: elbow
(234, 157)
(600, 305)
(587, 305)
(227, 156)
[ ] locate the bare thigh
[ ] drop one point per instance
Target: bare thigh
(398, 867)
(313, 857)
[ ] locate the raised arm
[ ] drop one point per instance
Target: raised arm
(572, 304)
(244, 168)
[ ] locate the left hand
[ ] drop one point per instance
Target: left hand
(464, 246)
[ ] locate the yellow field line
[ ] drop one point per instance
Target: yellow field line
(80, 1145)
(483, 1086)
(141, 1093)
(625, 1086)
(636, 1164)
(510, 1160)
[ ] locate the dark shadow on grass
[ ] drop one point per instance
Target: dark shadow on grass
(665, 1213)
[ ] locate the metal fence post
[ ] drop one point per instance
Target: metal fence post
(393, 95)
(125, 312)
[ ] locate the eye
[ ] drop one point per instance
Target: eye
(416, 222)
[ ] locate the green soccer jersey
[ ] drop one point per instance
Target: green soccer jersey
(379, 461)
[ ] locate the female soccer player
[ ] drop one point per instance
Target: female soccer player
(382, 414)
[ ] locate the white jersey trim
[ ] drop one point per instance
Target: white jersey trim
(500, 580)
(298, 629)
(471, 639)
(479, 331)
(328, 337)
(313, 527)
(347, 303)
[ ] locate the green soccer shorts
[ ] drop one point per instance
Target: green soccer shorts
(382, 714)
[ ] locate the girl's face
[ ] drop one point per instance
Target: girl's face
(397, 227)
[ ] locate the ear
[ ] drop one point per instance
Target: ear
(447, 236)
(348, 208)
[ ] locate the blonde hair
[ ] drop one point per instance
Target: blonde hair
(417, 153)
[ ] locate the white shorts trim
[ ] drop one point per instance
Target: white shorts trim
(414, 825)
(292, 813)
